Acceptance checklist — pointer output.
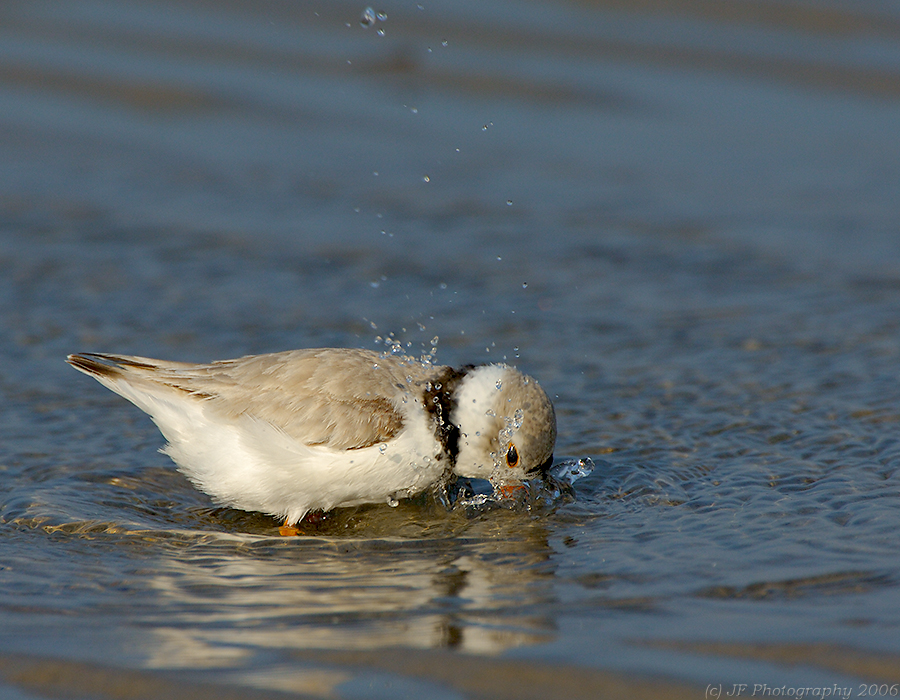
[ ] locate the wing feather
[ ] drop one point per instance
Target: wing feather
(340, 398)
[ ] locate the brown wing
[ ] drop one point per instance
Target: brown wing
(340, 398)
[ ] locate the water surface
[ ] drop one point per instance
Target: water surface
(681, 217)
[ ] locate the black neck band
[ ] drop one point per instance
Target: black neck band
(440, 401)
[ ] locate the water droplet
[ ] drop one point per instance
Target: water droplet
(374, 284)
(367, 19)
(382, 16)
(379, 31)
(490, 413)
(443, 285)
(487, 126)
(414, 110)
(499, 384)
(421, 326)
(524, 285)
(392, 502)
(372, 324)
(382, 447)
(425, 178)
(518, 418)
(509, 202)
(445, 43)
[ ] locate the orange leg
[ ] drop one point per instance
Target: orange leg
(312, 518)
(287, 530)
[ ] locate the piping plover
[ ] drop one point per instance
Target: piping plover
(290, 432)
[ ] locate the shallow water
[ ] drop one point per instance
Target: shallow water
(681, 217)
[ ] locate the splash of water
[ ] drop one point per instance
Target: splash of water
(543, 495)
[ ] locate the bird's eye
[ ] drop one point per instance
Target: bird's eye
(512, 456)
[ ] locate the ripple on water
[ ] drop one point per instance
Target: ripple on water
(159, 501)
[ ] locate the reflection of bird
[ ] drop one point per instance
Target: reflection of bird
(290, 432)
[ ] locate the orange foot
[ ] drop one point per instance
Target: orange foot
(288, 530)
(312, 518)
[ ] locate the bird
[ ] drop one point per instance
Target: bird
(301, 431)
